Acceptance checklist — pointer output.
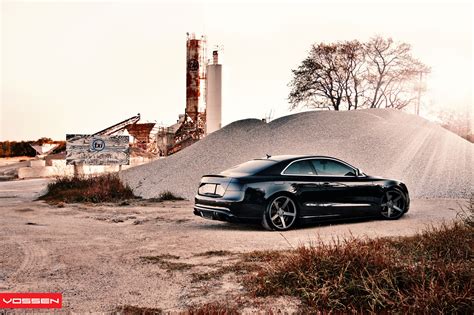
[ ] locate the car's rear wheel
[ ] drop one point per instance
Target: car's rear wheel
(393, 204)
(281, 214)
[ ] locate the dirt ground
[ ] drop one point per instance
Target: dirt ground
(93, 253)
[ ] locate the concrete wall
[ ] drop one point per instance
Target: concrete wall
(36, 163)
(38, 168)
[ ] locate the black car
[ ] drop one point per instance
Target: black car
(281, 191)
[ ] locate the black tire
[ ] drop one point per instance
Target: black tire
(394, 204)
(281, 214)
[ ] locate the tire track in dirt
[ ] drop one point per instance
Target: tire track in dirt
(35, 260)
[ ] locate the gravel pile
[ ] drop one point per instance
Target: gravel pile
(432, 161)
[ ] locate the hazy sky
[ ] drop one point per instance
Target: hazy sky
(80, 66)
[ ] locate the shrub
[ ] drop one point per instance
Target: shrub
(102, 188)
(214, 308)
(168, 195)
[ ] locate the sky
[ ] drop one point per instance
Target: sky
(81, 66)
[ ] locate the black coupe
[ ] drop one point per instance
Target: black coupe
(281, 191)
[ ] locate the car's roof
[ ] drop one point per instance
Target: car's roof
(281, 158)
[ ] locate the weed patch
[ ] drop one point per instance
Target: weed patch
(135, 310)
(213, 308)
(165, 196)
(164, 262)
(213, 253)
(247, 263)
(95, 189)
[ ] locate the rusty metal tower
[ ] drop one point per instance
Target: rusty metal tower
(196, 67)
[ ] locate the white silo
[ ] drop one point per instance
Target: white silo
(214, 95)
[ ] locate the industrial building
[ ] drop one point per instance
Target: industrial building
(202, 111)
(214, 94)
(202, 114)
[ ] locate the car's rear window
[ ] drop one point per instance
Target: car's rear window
(248, 168)
(332, 168)
(300, 168)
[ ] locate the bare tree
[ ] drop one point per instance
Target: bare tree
(391, 71)
(327, 78)
(353, 55)
(350, 75)
(459, 122)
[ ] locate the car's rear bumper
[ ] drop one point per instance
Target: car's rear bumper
(214, 213)
(226, 210)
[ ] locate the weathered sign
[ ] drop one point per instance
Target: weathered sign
(97, 150)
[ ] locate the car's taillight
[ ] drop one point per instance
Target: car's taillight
(218, 186)
(211, 189)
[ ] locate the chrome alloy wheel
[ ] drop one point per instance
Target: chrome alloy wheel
(282, 212)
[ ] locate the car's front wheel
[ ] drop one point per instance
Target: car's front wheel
(394, 204)
(281, 214)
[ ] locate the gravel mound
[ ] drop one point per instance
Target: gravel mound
(432, 161)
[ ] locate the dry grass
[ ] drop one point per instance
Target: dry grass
(428, 273)
(135, 310)
(95, 189)
(262, 256)
(168, 195)
(213, 308)
(467, 212)
(215, 253)
(237, 269)
(165, 196)
(164, 262)
(248, 262)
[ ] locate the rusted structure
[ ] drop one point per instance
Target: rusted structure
(141, 134)
(144, 142)
(192, 125)
(195, 76)
(188, 132)
(118, 127)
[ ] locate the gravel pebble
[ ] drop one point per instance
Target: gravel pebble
(432, 161)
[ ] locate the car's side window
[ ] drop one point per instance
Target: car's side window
(332, 168)
(300, 168)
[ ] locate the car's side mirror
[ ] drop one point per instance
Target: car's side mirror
(358, 172)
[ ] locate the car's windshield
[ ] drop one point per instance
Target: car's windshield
(248, 168)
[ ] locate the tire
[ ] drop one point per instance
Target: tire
(393, 205)
(281, 214)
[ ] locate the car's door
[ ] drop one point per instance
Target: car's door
(347, 193)
(310, 189)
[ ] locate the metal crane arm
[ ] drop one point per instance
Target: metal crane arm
(117, 127)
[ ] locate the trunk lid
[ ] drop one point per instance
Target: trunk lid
(214, 185)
